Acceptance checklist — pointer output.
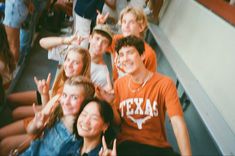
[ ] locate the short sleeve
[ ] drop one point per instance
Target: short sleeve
(58, 53)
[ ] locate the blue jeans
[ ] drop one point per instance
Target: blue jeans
(26, 33)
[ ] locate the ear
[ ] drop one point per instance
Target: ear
(105, 127)
(142, 27)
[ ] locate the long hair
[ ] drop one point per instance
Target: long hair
(5, 52)
(106, 113)
(79, 81)
(61, 77)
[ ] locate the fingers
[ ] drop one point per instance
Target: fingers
(35, 80)
(106, 16)
(104, 145)
(101, 19)
(98, 12)
(101, 151)
(114, 150)
(34, 108)
(48, 79)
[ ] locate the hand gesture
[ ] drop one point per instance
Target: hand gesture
(38, 119)
(43, 85)
(106, 93)
(75, 38)
(104, 151)
(101, 19)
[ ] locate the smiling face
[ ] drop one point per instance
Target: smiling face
(130, 59)
(71, 99)
(73, 64)
(130, 26)
(98, 45)
(90, 124)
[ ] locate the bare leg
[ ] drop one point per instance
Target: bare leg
(22, 98)
(24, 112)
(12, 142)
(13, 36)
(14, 128)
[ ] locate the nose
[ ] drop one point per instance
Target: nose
(99, 42)
(70, 64)
(66, 101)
(87, 119)
(123, 58)
(126, 25)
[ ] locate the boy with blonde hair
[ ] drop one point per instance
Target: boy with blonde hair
(133, 22)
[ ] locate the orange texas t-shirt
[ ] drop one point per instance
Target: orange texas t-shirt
(142, 109)
(150, 60)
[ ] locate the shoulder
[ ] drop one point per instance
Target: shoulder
(162, 79)
(122, 81)
(149, 50)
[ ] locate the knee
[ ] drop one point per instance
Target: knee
(12, 101)
(5, 147)
(17, 114)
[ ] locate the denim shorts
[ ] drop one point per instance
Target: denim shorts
(15, 13)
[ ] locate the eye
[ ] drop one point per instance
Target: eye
(64, 95)
(83, 114)
(74, 97)
(77, 63)
(120, 54)
(95, 118)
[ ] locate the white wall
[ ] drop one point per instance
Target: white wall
(207, 45)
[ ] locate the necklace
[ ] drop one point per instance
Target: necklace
(142, 85)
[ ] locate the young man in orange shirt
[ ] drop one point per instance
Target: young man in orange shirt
(142, 99)
(133, 22)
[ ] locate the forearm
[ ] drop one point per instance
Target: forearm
(45, 98)
(51, 42)
(31, 128)
(181, 134)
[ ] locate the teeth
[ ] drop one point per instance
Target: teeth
(84, 127)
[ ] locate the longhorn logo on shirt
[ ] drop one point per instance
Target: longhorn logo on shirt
(136, 106)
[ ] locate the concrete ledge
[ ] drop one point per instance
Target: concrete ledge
(216, 125)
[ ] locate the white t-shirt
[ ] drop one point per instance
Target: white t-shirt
(58, 53)
(99, 73)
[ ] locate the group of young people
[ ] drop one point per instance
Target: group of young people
(131, 107)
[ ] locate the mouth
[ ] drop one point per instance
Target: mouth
(84, 127)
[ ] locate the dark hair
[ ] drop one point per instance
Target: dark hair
(5, 52)
(130, 41)
(102, 33)
(106, 113)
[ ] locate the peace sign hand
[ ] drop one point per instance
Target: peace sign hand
(101, 19)
(43, 85)
(104, 151)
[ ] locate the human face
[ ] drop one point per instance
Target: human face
(130, 26)
(98, 45)
(130, 59)
(90, 123)
(73, 64)
(71, 99)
